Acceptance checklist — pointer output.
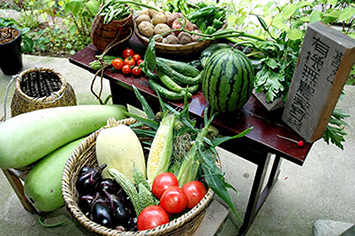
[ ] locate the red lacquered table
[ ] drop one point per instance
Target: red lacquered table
(256, 147)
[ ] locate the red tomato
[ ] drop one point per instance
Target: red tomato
(139, 61)
(162, 182)
(151, 217)
(127, 53)
(117, 63)
(173, 200)
(194, 191)
(136, 57)
(136, 71)
(126, 69)
(129, 61)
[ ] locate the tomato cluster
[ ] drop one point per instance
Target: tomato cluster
(129, 64)
(173, 200)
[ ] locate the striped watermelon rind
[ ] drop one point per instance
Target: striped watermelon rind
(227, 80)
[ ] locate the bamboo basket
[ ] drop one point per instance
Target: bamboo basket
(83, 155)
(177, 49)
(117, 31)
(40, 88)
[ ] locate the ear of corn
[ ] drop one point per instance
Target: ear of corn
(162, 147)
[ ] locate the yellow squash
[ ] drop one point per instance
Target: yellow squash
(119, 147)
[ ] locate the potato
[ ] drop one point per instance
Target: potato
(152, 12)
(184, 38)
(146, 28)
(195, 37)
(161, 28)
(158, 38)
(158, 18)
(141, 18)
(171, 39)
(177, 25)
(144, 12)
(172, 18)
(167, 14)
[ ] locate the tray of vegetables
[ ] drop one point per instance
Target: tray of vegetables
(180, 31)
(146, 175)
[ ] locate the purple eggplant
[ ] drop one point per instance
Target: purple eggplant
(86, 183)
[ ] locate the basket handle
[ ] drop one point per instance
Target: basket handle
(3, 119)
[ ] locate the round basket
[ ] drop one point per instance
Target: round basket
(83, 155)
(40, 88)
(103, 35)
(176, 49)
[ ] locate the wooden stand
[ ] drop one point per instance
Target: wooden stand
(15, 179)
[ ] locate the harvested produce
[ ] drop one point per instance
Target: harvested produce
(43, 185)
(151, 217)
(162, 182)
(173, 200)
(195, 191)
(104, 201)
(86, 183)
(25, 138)
(120, 148)
(207, 53)
(227, 80)
(161, 149)
(113, 11)
(140, 198)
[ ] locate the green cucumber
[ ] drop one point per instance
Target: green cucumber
(167, 94)
(176, 76)
(168, 82)
(43, 185)
(30, 136)
(181, 67)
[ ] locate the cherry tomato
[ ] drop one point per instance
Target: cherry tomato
(129, 61)
(173, 200)
(127, 53)
(117, 63)
(151, 217)
(136, 57)
(139, 61)
(136, 71)
(126, 69)
(194, 191)
(162, 182)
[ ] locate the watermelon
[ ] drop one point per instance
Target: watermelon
(227, 80)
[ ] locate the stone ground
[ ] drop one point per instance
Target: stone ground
(323, 188)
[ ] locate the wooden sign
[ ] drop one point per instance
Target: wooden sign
(326, 58)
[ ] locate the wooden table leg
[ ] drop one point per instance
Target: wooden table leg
(17, 185)
(258, 196)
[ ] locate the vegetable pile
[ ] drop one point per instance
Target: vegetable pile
(180, 167)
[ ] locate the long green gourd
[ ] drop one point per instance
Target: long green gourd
(30, 136)
(43, 185)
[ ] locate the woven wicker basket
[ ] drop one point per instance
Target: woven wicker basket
(83, 155)
(176, 49)
(103, 35)
(40, 88)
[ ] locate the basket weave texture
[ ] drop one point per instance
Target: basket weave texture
(84, 155)
(103, 35)
(176, 49)
(40, 88)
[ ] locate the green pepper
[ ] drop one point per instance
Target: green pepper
(217, 24)
(203, 12)
(210, 30)
(201, 5)
(200, 22)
